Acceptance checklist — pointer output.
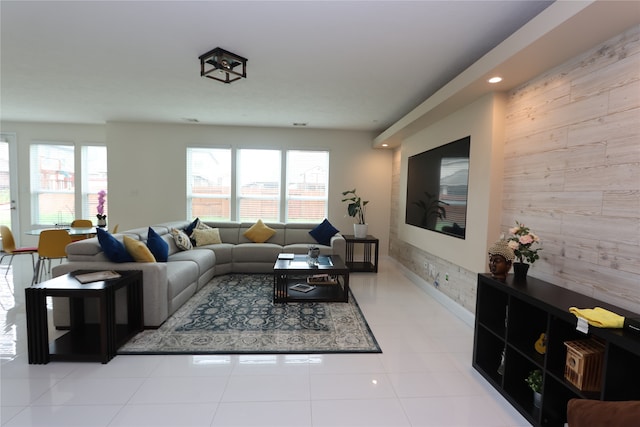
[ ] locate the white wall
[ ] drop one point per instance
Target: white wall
(147, 166)
(482, 120)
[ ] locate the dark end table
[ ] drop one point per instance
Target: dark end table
(367, 264)
(84, 341)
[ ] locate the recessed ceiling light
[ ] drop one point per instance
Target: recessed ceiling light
(495, 79)
(385, 145)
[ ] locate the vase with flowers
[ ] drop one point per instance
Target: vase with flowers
(102, 217)
(522, 241)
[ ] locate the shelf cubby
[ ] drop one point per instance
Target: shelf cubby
(493, 307)
(511, 316)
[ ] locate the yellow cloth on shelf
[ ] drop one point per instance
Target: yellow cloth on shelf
(599, 317)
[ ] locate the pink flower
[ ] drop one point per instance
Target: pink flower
(513, 244)
(101, 200)
(526, 239)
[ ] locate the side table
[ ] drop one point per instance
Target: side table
(366, 264)
(84, 341)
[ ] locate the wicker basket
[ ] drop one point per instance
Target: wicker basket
(584, 363)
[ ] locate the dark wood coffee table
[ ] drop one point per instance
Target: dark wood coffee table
(288, 273)
(84, 341)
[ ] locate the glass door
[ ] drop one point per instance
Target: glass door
(8, 183)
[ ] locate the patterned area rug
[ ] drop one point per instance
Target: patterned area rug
(235, 314)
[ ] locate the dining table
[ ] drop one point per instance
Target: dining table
(73, 231)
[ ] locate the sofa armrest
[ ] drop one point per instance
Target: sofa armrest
(339, 246)
(154, 288)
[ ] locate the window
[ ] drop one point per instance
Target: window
(56, 196)
(94, 179)
(247, 184)
(209, 183)
(307, 185)
(52, 184)
(259, 176)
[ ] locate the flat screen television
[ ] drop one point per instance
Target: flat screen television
(437, 187)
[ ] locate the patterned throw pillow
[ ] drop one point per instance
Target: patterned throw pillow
(138, 250)
(210, 236)
(259, 232)
(158, 247)
(182, 240)
(323, 232)
(201, 225)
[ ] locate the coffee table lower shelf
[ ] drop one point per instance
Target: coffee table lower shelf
(321, 292)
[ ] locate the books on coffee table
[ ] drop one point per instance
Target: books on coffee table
(97, 276)
(302, 287)
(322, 279)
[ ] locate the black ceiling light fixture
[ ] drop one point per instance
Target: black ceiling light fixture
(222, 65)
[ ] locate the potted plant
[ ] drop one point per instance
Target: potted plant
(521, 241)
(102, 217)
(534, 380)
(356, 209)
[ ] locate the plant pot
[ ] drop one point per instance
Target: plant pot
(537, 399)
(102, 223)
(360, 230)
(520, 270)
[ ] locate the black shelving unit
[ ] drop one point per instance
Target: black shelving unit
(511, 316)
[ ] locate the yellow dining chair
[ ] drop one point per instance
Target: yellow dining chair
(51, 245)
(81, 223)
(115, 229)
(9, 248)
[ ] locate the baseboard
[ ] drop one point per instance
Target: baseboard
(455, 308)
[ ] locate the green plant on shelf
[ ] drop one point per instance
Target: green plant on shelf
(534, 380)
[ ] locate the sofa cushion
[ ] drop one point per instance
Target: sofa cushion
(210, 236)
(259, 232)
(323, 232)
(138, 250)
(182, 240)
(112, 247)
(158, 247)
(256, 252)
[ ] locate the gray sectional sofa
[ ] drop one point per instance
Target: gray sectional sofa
(168, 285)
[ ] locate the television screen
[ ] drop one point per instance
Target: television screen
(437, 184)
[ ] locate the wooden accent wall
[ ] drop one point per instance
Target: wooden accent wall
(571, 173)
(572, 170)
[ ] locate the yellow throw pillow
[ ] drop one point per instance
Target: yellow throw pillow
(259, 232)
(138, 250)
(209, 236)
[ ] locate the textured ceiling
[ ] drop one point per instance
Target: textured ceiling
(358, 65)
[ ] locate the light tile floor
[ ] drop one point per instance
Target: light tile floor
(423, 377)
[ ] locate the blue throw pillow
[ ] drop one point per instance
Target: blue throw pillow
(158, 247)
(112, 248)
(323, 232)
(189, 228)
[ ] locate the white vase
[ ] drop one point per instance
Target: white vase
(537, 399)
(360, 230)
